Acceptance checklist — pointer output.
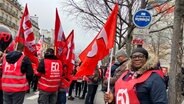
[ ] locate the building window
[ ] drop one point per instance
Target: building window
(2, 14)
(7, 4)
(10, 18)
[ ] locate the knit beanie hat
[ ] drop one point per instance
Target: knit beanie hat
(120, 52)
(141, 50)
(49, 51)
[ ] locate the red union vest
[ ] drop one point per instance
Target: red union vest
(50, 81)
(12, 79)
(124, 90)
(1, 60)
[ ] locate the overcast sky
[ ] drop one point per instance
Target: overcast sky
(45, 11)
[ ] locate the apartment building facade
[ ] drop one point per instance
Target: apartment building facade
(10, 15)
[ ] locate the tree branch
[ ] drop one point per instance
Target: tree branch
(167, 27)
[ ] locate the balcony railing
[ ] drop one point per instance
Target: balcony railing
(8, 23)
(16, 4)
(8, 10)
(34, 23)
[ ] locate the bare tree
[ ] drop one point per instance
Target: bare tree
(176, 54)
(93, 14)
(160, 42)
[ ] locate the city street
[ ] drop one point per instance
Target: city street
(33, 96)
(133, 47)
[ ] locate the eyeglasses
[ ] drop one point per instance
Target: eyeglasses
(138, 56)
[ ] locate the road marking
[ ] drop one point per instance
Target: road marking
(33, 97)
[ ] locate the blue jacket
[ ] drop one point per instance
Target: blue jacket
(153, 90)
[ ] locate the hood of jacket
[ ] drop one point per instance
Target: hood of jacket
(13, 56)
(151, 64)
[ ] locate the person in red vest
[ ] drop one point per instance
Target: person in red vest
(5, 40)
(142, 83)
(51, 71)
(16, 71)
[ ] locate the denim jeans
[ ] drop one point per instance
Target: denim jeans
(61, 97)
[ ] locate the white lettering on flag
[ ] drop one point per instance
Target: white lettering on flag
(68, 53)
(93, 51)
(103, 35)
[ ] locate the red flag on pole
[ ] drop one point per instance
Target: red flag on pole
(70, 58)
(60, 40)
(69, 63)
(39, 46)
(100, 46)
(25, 36)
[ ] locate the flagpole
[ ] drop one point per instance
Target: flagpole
(110, 64)
(55, 49)
(109, 77)
(16, 46)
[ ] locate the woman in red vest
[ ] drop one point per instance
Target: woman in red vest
(143, 83)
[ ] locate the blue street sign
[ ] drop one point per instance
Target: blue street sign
(142, 18)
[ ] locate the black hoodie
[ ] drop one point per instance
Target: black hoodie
(26, 67)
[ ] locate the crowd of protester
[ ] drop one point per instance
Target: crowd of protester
(140, 75)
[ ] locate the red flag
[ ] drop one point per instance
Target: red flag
(39, 46)
(25, 36)
(69, 63)
(11, 46)
(100, 46)
(70, 58)
(60, 40)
